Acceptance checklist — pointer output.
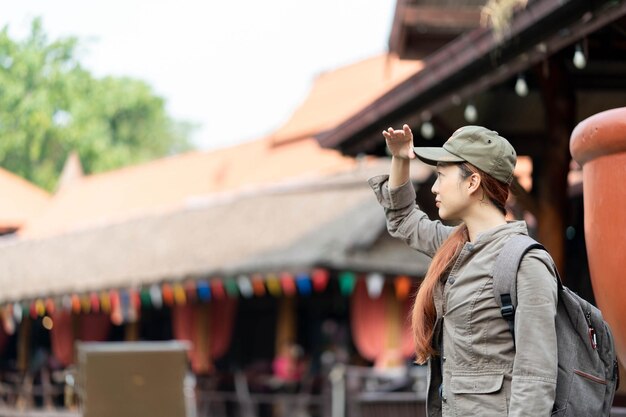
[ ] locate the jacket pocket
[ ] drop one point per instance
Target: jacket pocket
(476, 384)
(479, 395)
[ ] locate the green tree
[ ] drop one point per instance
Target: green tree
(50, 105)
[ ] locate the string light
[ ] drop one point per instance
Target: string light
(427, 130)
(580, 61)
(470, 114)
(521, 88)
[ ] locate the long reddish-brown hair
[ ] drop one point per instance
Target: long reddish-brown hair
(424, 314)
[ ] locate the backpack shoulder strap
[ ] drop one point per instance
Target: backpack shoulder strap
(504, 275)
(505, 268)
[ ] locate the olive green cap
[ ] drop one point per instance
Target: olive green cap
(479, 146)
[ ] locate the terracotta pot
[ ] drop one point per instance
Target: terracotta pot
(598, 144)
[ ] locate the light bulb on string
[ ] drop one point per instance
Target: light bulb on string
(471, 114)
(427, 130)
(521, 88)
(580, 61)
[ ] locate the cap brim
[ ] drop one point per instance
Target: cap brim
(433, 155)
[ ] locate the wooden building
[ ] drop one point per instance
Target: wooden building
(567, 59)
(239, 250)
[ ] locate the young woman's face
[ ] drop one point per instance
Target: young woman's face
(451, 196)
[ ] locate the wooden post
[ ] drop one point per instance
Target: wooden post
(550, 172)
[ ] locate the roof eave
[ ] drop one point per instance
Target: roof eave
(459, 63)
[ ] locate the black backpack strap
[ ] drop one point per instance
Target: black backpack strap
(505, 275)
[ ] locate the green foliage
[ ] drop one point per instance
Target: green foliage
(50, 106)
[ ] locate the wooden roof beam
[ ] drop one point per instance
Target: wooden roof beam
(461, 18)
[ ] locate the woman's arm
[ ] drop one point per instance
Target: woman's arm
(397, 196)
(405, 220)
(535, 368)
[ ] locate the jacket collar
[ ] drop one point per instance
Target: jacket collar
(512, 227)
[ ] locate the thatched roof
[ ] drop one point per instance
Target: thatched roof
(330, 221)
(355, 240)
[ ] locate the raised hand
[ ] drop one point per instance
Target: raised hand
(400, 142)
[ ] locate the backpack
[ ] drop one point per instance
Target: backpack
(588, 371)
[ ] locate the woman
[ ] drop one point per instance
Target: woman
(475, 368)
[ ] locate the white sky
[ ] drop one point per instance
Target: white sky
(237, 68)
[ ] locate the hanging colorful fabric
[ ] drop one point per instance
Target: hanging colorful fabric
(403, 287)
(231, 287)
(94, 302)
(168, 294)
(347, 280)
(8, 320)
(117, 316)
(105, 302)
(217, 288)
(375, 283)
(146, 300)
(50, 306)
(76, 306)
(33, 310)
(40, 307)
(17, 312)
(303, 282)
(128, 312)
(320, 278)
(191, 292)
(368, 322)
(85, 303)
(273, 285)
(156, 298)
(287, 284)
(135, 299)
(66, 302)
(258, 286)
(179, 294)
(245, 286)
(203, 290)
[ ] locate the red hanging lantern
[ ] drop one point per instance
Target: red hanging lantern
(288, 284)
(33, 310)
(191, 292)
(50, 306)
(217, 289)
(114, 298)
(135, 299)
(320, 278)
(95, 302)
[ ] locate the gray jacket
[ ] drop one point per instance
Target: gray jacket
(479, 371)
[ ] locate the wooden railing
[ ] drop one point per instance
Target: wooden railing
(397, 392)
(241, 401)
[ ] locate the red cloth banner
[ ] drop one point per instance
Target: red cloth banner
(208, 327)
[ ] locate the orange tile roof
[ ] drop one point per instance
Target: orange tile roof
(339, 94)
(290, 153)
(19, 200)
(170, 183)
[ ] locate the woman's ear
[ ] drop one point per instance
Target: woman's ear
(473, 183)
